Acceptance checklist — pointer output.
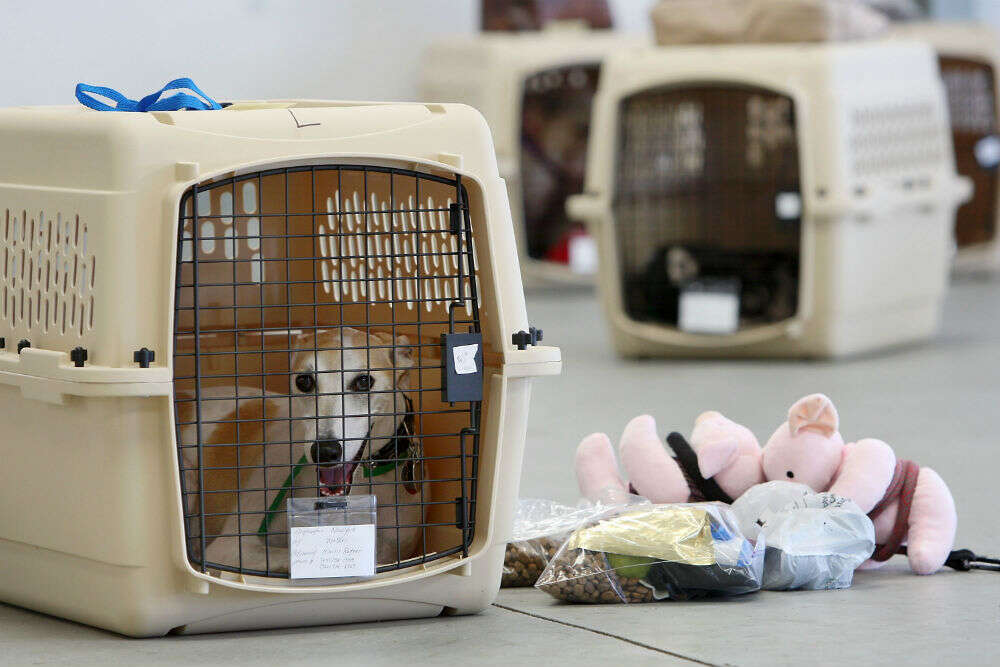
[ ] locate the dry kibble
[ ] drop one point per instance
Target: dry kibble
(524, 561)
(585, 576)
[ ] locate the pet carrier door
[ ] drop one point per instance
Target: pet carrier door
(313, 307)
(707, 207)
(555, 126)
(971, 103)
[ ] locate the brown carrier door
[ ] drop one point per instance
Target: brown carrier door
(555, 127)
(313, 307)
(971, 92)
(707, 196)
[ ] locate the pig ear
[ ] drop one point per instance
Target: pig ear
(815, 412)
(716, 455)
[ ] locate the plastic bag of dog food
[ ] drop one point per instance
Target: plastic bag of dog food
(655, 552)
(540, 528)
(813, 540)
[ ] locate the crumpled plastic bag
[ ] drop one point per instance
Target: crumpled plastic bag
(540, 528)
(813, 540)
(764, 21)
(654, 552)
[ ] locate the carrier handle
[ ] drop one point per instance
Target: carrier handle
(87, 95)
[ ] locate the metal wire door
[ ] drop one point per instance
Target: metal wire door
(972, 110)
(708, 188)
(316, 311)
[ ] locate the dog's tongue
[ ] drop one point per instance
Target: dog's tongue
(336, 478)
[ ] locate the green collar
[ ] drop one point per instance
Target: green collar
(265, 523)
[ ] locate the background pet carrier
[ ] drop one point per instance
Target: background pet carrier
(205, 314)
(792, 200)
(968, 56)
(536, 90)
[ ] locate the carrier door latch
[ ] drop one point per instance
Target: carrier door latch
(461, 367)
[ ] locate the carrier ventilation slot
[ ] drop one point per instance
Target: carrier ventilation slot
(899, 139)
(47, 274)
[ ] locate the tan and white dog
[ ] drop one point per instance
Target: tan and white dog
(346, 401)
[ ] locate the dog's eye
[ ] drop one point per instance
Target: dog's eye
(362, 383)
(305, 382)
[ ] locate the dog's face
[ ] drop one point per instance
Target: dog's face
(348, 398)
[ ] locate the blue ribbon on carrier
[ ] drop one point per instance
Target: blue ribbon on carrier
(88, 96)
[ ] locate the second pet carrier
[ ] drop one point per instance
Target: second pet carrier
(968, 57)
(781, 200)
(247, 353)
(536, 91)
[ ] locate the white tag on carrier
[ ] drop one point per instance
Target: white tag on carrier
(709, 307)
(465, 358)
(331, 537)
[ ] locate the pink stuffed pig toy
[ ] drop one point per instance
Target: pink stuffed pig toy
(907, 503)
(722, 461)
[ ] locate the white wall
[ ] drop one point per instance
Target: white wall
(344, 49)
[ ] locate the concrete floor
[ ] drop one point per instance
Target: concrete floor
(934, 403)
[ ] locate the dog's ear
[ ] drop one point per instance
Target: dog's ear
(402, 354)
(400, 350)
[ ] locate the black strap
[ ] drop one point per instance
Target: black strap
(687, 459)
(964, 560)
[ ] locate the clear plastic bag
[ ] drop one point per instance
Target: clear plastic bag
(813, 540)
(656, 552)
(540, 528)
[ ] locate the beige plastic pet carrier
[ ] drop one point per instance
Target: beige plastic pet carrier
(778, 200)
(968, 56)
(536, 90)
(205, 314)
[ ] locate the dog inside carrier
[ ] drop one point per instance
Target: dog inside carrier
(555, 125)
(327, 345)
(971, 91)
(707, 207)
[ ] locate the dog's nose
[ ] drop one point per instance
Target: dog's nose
(327, 451)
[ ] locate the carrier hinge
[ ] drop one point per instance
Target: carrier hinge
(522, 339)
(21, 344)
